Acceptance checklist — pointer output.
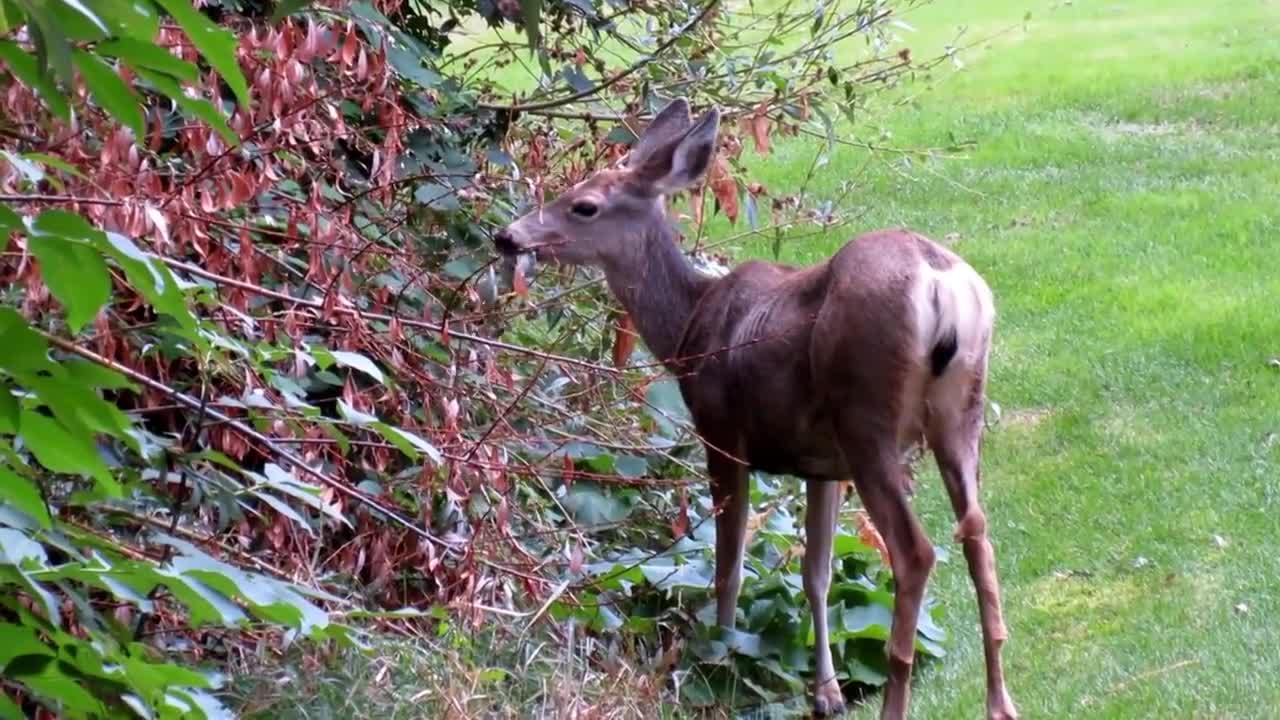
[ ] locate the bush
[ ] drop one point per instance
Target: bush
(263, 381)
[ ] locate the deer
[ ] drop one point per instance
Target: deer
(828, 373)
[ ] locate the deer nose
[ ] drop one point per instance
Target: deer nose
(505, 241)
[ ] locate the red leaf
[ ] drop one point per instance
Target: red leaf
(725, 188)
(519, 282)
(680, 526)
(566, 470)
(575, 559)
(624, 339)
(870, 536)
(695, 206)
(760, 132)
(349, 45)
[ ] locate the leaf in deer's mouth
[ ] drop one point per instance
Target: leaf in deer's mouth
(521, 269)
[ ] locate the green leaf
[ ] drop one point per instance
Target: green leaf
(77, 406)
(55, 162)
(409, 65)
(666, 406)
(630, 466)
(272, 600)
(531, 11)
(25, 496)
(10, 17)
(198, 107)
(9, 220)
(695, 574)
(111, 92)
(60, 451)
(436, 196)
(49, 35)
(8, 410)
(25, 67)
(18, 549)
(409, 443)
(205, 604)
(26, 353)
(152, 278)
(359, 362)
(285, 8)
(217, 45)
(65, 224)
(31, 171)
(589, 505)
(283, 508)
(94, 375)
(137, 20)
(863, 621)
(87, 14)
(8, 709)
(354, 416)
(75, 274)
(138, 54)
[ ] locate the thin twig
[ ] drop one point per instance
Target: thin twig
(596, 89)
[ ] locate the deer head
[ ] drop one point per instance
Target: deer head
(598, 220)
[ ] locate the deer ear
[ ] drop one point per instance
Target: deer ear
(664, 131)
(692, 157)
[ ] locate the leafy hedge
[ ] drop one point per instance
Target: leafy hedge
(261, 379)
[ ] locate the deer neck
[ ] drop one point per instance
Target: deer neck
(659, 288)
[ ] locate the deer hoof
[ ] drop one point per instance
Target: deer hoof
(828, 701)
(1001, 708)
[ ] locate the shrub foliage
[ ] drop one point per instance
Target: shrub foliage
(261, 380)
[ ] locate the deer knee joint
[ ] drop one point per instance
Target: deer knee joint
(973, 526)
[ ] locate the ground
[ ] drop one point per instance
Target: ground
(1121, 200)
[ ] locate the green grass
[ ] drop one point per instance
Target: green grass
(1122, 201)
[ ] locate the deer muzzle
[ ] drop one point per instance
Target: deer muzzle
(505, 242)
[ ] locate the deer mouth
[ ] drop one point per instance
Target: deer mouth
(504, 241)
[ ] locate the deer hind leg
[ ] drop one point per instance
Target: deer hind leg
(729, 492)
(877, 470)
(955, 434)
(823, 499)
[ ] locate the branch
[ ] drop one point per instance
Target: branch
(271, 445)
(408, 322)
(548, 104)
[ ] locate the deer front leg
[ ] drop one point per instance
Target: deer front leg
(822, 500)
(729, 492)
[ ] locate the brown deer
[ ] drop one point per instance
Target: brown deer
(827, 373)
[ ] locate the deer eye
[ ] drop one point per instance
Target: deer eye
(584, 209)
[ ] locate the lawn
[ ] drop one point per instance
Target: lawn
(1121, 200)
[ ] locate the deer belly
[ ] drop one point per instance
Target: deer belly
(815, 458)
